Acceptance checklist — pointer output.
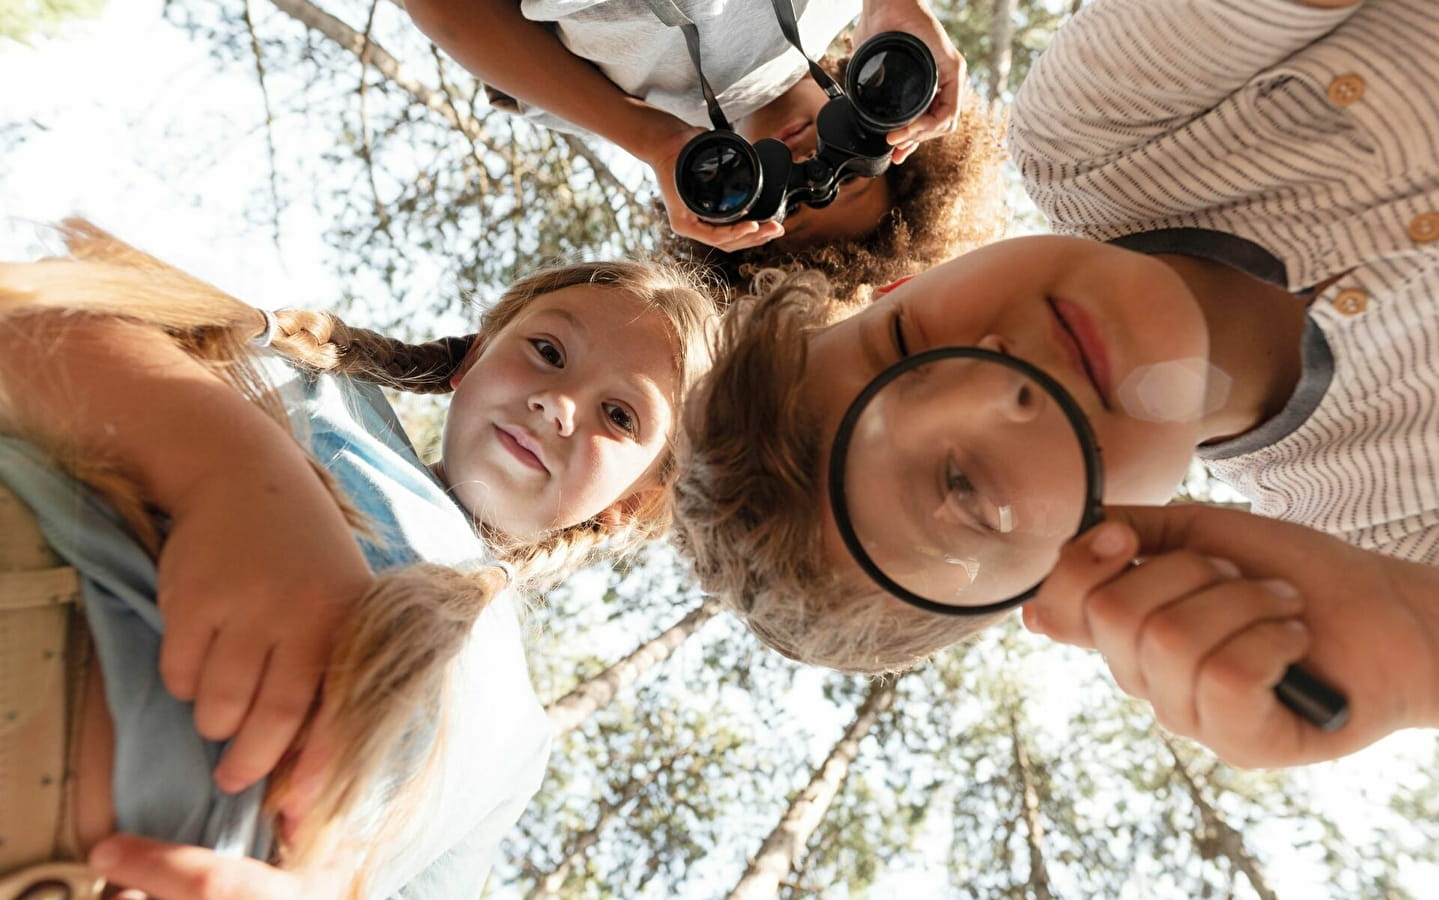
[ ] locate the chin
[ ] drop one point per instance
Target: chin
(1152, 479)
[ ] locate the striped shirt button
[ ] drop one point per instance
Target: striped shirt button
(1424, 227)
(1346, 90)
(1351, 301)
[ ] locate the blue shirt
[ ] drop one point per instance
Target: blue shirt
(496, 735)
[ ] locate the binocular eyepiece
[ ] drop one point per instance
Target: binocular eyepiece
(890, 82)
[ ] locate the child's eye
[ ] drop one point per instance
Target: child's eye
(962, 498)
(621, 417)
(896, 324)
(548, 352)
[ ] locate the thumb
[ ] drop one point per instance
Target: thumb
(1231, 534)
(1085, 563)
(173, 871)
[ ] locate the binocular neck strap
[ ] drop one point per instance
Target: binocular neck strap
(784, 12)
(674, 17)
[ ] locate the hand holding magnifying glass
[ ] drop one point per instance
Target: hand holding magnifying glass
(957, 477)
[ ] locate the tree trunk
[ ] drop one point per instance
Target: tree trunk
(778, 853)
(1033, 825)
(548, 884)
(571, 710)
(1221, 838)
(1001, 50)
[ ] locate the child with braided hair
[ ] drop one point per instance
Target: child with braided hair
(223, 563)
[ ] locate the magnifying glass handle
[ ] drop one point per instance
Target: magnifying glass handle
(1307, 696)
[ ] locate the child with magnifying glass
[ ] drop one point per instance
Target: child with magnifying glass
(1249, 203)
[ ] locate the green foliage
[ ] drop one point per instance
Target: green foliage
(24, 20)
(997, 755)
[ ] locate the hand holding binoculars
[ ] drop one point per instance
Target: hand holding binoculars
(890, 81)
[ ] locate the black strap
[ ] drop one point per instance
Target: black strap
(671, 15)
(784, 12)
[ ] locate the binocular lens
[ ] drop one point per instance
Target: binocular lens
(892, 79)
(718, 175)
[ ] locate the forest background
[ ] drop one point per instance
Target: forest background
(327, 156)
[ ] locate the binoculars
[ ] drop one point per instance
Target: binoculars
(890, 82)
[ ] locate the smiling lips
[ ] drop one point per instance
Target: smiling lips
(522, 447)
(1082, 337)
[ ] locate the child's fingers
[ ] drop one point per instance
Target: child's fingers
(1177, 641)
(1239, 716)
(743, 236)
(286, 696)
(179, 872)
(1084, 563)
(902, 151)
(729, 238)
(308, 774)
(228, 682)
(1121, 613)
(183, 650)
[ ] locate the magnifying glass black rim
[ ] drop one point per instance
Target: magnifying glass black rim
(839, 450)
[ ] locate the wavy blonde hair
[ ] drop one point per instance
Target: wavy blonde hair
(392, 658)
(747, 498)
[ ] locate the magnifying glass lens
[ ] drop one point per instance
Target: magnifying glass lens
(962, 479)
(958, 474)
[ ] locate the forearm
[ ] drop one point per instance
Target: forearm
(122, 391)
(496, 43)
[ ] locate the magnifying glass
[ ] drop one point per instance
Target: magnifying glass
(957, 476)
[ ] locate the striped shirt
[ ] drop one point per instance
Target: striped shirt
(1299, 144)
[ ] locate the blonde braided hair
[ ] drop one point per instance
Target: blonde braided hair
(393, 654)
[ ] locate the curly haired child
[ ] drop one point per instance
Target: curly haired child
(254, 551)
(612, 68)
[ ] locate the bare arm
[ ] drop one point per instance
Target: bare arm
(123, 391)
(259, 564)
(496, 43)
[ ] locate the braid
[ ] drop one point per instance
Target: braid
(323, 341)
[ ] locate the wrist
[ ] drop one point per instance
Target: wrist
(652, 136)
(1419, 588)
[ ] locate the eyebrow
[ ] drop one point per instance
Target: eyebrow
(575, 321)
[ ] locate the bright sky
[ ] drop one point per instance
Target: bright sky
(123, 103)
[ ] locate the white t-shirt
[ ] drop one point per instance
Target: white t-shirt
(746, 58)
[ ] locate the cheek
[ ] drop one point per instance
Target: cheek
(1144, 463)
(617, 469)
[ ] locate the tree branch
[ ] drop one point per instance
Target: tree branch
(269, 122)
(381, 60)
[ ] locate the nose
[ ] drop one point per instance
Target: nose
(558, 407)
(1007, 392)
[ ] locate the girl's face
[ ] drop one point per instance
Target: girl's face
(861, 202)
(564, 414)
(1118, 330)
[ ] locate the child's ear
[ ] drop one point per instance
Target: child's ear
(471, 355)
(627, 508)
